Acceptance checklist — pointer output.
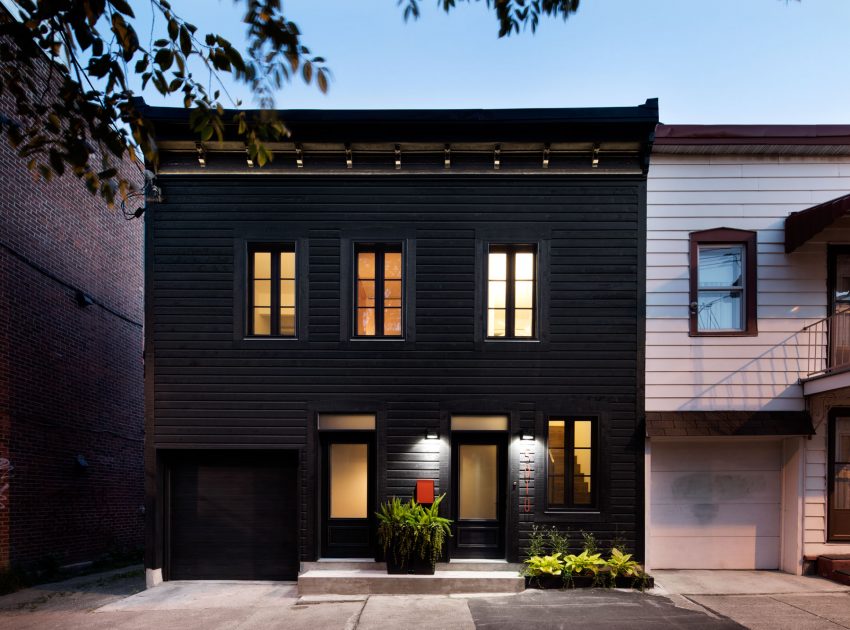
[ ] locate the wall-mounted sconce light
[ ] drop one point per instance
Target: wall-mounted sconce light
(432, 434)
(526, 435)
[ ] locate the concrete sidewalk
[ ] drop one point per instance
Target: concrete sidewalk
(704, 600)
(760, 600)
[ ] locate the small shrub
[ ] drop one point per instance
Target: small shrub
(544, 565)
(536, 542)
(559, 542)
(589, 543)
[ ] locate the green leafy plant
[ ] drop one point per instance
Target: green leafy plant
(536, 542)
(395, 528)
(584, 563)
(559, 542)
(589, 542)
(408, 530)
(544, 565)
(621, 565)
(430, 531)
(619, 542)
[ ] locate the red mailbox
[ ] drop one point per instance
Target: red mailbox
(425, 490)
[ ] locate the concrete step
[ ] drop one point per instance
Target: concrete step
(371, 565)
(372, 582)
(835, 567)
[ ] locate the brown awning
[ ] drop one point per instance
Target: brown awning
(801, 226)
(720, 423)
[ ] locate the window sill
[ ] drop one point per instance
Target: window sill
(356, 339)
(511, 340)
(266, 343)
(724, 333)
(570, 515)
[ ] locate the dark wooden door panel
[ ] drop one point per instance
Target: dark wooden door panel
(480, 532)
(233, 516)
(349, 536)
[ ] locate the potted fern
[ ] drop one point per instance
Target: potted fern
(430, 533)
(412, 536)
(395, 533)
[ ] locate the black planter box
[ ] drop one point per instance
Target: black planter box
(397, 566)
(587, 581)
(420, 566)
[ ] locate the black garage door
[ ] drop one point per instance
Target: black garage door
(233, 516)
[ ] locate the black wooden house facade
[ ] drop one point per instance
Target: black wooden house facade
(446, 297)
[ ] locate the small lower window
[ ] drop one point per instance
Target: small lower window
(570, 462)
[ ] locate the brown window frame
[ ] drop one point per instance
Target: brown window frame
(725, 236)
(569, 446)
(380, 249)
(511, 249)
(275, 250)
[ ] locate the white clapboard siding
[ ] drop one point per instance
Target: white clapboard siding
(690, 193)
(814, 523)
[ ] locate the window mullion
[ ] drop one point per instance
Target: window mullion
(274, 320)
(379, 291)
(569, 461)
(509, 294)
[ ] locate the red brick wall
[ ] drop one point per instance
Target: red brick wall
(71, 381)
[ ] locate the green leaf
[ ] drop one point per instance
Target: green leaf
(164, 58)
(123, 7)
(185, 41)
(173, 29)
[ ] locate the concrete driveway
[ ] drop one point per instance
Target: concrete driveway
(116, 600)
(761, 600)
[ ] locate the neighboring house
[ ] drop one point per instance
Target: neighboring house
(71, 395)
(400, 299)
(748, 449)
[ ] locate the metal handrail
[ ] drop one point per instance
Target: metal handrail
(828, 343)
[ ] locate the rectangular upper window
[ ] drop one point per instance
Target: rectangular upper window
(511, 292)
(379, 290)
(723, 282)
(272, 291)
(570, 463)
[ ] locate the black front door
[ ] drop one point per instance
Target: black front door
(348, 501)
(478, 488)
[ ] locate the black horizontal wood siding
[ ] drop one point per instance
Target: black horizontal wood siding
(212, 389)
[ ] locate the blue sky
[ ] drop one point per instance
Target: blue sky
(718, 61)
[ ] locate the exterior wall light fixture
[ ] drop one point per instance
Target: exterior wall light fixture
(526, 435)
(432, 434)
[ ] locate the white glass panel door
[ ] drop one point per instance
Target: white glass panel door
(349, 480)
(478, 487)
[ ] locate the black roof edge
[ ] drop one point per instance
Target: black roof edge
(444, 125)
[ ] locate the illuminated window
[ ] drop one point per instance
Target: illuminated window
(569, 467)
(272, 291)
(511, 291)
(379, 290)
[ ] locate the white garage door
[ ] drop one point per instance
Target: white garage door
(715, 505)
